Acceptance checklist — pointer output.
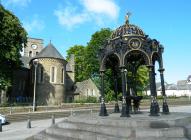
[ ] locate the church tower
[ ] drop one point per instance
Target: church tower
(34, 46)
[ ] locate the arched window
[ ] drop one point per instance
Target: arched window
(62, 75)
(30, 54)
(87, 93)
(93, 92)
(36, 53)
(41, 74)
(53, 74)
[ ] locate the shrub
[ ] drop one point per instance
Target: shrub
(89, 99)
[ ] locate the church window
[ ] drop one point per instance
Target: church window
(53, 74)
(40, 74)
(87, 93)
(30, 54)
(93, 92)
(62, 75)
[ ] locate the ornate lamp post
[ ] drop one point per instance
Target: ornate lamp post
(35, 63)
(125, 107)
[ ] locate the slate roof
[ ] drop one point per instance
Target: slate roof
(184, 87)
(70, 62)
(49, 52)
(181, 85)
(81, 85)
(171, 87)
(68, 68)
(176, 87)
(181, 82)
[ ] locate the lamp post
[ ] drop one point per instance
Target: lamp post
(188, 85)
(125, 71)
(35, 63)
(125, 106)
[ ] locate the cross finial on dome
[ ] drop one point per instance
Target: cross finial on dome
(127, 17)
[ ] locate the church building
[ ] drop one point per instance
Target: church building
(47, 72)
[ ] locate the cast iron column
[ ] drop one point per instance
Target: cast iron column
(165, 108)
(125, 107)
(116, 109)
(129, 95)
(103, 110)
(154, 108)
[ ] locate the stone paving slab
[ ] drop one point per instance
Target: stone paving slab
(19, 130)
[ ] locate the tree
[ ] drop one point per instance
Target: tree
(142, 78)
(97, 41)
(78, 51)
(12, 39)
(92, 64)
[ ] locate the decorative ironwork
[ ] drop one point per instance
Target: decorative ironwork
(132, 49)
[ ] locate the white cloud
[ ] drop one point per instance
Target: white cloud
(69, 17)
(34, 25)
(98, 11)
(22, 3)
(106, 7)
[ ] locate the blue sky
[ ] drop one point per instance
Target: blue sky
(70, 22)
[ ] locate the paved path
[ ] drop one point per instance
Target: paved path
(19, 130)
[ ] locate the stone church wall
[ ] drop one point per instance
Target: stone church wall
(51, 93)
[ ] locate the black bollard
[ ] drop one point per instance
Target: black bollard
(0, 126)
(29, 123)
(53, 119)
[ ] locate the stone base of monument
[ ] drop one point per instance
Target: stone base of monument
(175, 126)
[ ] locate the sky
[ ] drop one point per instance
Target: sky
(70, 22)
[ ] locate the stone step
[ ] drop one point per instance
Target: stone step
(164, 138)
(177, 132)
(122, 131)
(35, 116)
(80, 134)
(113, 127)
(138, 120)
(123, 122)
(45, 136)
(105, 130)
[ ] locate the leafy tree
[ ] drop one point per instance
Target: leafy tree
(92, 64)
(142, 78)
(86, 58)
(78, 51)
(98, 39)
(12, 39)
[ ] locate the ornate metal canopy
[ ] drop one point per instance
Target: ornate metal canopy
(127, 49)
(129, 40)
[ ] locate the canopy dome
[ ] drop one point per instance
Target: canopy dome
(127, 30)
